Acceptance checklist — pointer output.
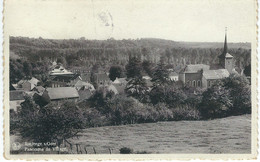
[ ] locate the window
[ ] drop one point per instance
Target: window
(194, 83)
(198, 83)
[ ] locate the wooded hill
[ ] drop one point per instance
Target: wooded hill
(82, 52)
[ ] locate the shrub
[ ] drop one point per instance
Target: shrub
(185, 112)
(126, 150)
(50, 123)
(95, 119)
(239, 85)
(216, 102)
(164, 113)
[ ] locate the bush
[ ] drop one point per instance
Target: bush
(126, 150)
(50, 123)
(95, 119)
(185, 112)
(237, 84)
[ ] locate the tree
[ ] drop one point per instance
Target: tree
(62, 60)
(147, 67)
(216, 102)
(167, 94)
(137, 88)
(115, 72)
(239, 85)
(27, 68)
(50, 123)
(134, 68)
(160, 75)
(16, 71)
(247, 70)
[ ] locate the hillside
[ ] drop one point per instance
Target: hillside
(82, 52)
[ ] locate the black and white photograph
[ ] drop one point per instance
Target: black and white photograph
(146, 78)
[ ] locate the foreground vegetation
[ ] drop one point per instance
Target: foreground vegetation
(231, 135)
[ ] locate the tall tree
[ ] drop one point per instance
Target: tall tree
(160, 75)
(115, 72)
(27, 68)
(134, 68)
(147, 67)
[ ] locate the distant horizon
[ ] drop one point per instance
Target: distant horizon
(127, 39)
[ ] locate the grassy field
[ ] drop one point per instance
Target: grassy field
(226, 135)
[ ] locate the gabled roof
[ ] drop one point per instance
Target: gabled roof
(216, 74)
(228, 55)
(112, 88)
(81, 83)
(16, 95)
(11, 87)
(33, 81)
(84, 94)
(119, 88)
(194, 68)
(39, 89)
(62, 93)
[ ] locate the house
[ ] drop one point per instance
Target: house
(79, 84)
(79, 70)
(84, 93)
(120, 84)
(109, 88)
(174, 76)
(60, 70)
(16, 98)
(102, 78)
(39, 90)
(27, 85)
(86, 77)
(63, 80)
(203, 76)
(60, 93)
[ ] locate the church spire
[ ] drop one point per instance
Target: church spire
(225, 44)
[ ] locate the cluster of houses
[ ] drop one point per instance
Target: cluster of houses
(74, 84)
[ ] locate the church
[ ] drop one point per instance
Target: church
(203, 76)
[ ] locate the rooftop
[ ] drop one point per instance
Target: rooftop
(193, 68)
(62, 93)
(216, 74)
(16, 95)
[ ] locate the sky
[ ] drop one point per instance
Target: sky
(185, 20)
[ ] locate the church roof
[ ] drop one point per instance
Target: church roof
(216, 74)
(194, 68)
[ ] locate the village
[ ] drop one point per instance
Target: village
(75, 83)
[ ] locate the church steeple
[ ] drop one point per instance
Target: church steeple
(225, 51)
(225, 44)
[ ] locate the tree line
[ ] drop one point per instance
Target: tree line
(82, 52)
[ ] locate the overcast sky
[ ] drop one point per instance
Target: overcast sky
(178, 20)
